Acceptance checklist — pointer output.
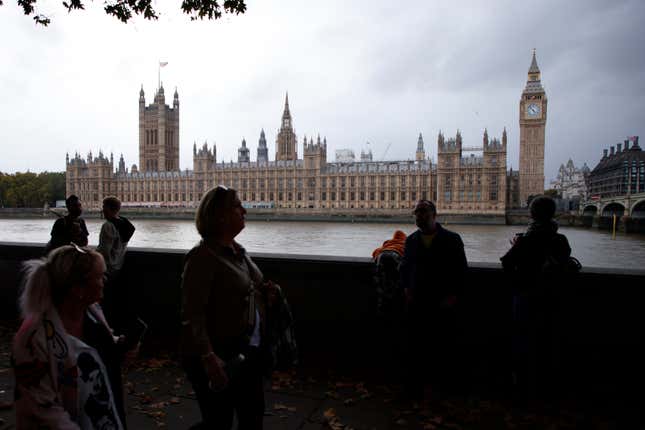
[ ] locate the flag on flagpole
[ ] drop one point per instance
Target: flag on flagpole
(163, 63)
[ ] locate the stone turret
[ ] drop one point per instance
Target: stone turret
(263, 151)
(315, 154)
(421, 153)
(122, 169)
(204, 158)
(243, 153)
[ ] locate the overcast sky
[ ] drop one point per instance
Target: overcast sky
(356, 72)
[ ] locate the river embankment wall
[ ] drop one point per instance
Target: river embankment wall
(265, 214)
(518, 217)
(596, 316)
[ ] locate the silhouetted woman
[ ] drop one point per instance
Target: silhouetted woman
(223, 317)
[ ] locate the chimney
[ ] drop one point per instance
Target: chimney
(604, 153)
(618, 146)
(611, 151)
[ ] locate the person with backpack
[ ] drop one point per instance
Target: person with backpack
(537, 262)
(387, 258)
(69, 228)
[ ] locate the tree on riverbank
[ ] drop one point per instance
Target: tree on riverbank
(31, 190)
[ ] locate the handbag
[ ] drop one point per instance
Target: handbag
(281, 339)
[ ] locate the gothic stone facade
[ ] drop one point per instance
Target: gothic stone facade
(474, 184)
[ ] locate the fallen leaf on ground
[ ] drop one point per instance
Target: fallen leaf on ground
(329, 413)
(332, 395)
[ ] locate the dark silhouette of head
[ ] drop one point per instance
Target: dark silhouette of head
(542, 208)
(73, 205)
(425, 213)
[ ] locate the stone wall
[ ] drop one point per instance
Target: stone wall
(598, 316)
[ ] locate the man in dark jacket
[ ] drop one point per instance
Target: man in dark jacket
(432, 273)
(70, 228)
(537, 263)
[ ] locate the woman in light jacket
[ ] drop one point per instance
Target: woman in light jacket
(61, 382)
(223, 317)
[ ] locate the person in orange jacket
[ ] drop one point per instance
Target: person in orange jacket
(387, 259)
(396, 244)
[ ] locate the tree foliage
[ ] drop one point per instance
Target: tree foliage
(31, 190)
(123, 10)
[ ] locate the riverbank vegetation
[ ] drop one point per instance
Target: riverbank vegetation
(31, 190)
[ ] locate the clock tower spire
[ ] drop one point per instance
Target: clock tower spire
(533, 109)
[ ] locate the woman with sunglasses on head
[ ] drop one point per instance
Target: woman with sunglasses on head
(223, 317)
(61, 381)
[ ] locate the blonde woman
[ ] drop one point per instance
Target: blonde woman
(223, 317)
(61, 381)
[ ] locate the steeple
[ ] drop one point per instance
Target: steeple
(534, 67)
(286, 114)
(286, 106)
(533, 84)
(286, 139)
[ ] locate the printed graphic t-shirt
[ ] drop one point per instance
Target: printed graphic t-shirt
(96, 402)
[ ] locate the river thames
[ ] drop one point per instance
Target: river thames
(484, 243)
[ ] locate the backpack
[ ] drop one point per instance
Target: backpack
(553, 265)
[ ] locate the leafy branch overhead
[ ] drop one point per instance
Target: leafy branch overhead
(123, 10)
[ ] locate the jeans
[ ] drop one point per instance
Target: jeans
(243, 396)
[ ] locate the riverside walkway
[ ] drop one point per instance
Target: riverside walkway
(158, 396)
(351, 359)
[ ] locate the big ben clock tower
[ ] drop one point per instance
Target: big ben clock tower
(532, 125)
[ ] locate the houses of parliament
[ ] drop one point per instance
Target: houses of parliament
(475, 184)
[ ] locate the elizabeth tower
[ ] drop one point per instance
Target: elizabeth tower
(532, 124)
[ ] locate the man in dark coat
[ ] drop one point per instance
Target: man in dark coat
(70, 228)
(432, 273)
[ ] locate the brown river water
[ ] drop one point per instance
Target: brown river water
(484, 243)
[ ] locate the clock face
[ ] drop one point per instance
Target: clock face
(533, 110)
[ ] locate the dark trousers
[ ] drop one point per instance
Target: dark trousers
(535, 346)
(433, 351)
(244, 395)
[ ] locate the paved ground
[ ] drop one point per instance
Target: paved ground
(159, 397)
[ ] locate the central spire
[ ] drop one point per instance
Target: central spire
(286, 113)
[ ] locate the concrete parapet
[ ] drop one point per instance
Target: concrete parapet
(597, 314)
